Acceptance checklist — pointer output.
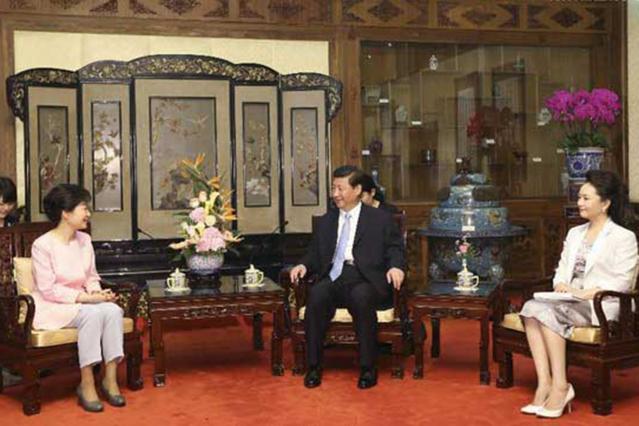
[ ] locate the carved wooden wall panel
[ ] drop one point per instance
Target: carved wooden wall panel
(512, 15)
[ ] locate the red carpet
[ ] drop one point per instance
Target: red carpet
(214, 377)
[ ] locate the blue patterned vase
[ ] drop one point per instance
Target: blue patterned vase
(205, 264)
(583, 160)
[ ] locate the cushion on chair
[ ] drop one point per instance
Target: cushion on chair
(46, 338)
(590, 335)
(23, 275)
(342, 315)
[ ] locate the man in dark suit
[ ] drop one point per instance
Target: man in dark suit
(357, 253)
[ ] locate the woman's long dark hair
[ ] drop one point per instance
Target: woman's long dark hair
(610, 188)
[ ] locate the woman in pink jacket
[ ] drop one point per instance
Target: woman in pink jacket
(68, 294)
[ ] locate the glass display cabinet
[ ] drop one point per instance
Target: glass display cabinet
(428, 107)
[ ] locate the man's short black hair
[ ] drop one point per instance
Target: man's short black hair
(355, 175)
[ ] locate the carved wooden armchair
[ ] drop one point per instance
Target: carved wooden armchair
(394, 326)
(26, 350)
(613, 345)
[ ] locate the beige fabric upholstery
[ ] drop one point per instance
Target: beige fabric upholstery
(342, 315)
(23, 275)
(45, 338)
(591, 335)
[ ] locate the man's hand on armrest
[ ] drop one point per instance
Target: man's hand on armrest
(395, 276)
(298, 271)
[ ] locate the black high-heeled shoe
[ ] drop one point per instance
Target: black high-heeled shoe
(114, 400)
(90, 406)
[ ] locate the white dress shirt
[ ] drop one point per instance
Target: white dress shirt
(355, 211)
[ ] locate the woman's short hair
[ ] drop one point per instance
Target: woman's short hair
(64, 198)
(610, 188)
(8, 193)
(368, 184)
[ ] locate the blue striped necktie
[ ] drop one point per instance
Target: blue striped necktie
(340, 252)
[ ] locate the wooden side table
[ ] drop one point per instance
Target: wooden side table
(201, 306)
(441, 300)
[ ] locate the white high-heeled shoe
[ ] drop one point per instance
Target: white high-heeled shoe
(531, 409)
(554, 414)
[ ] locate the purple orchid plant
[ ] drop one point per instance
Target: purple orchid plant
(582, 113)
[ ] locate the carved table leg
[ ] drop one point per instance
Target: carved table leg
(418, 372)
(31, 395)
(277, 366)
(159, 374)
(258, 341)
(435, 345)
(484, 371)
(151, 351)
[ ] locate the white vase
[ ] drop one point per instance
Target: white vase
(205, 264)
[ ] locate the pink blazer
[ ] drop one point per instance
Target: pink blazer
(61, 272)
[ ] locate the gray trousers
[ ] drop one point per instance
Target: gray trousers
(100, 332)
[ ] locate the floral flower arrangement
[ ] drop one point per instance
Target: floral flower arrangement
(582, 113)
(465, 250)
(205, 227)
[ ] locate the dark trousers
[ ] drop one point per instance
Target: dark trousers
(350, 291)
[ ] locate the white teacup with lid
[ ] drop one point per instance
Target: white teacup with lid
(176, 281)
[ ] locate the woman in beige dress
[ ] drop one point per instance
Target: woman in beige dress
(598, 255)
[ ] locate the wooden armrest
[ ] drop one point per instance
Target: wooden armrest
(519, 287)
(628, 328)
(299, 289)
(11, 330)
(128, 296)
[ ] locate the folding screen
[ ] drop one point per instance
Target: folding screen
(106, 154)
(121, 129)
(257, 154)
(52, 142)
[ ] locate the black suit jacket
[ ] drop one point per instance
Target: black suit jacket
(377, 247)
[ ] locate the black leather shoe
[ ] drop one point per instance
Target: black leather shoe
(313, 377)
(114, 400)
(367, 378)
(90, 406)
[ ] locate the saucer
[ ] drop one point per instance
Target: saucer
(466, 289)
(177, 290)
(253, 285)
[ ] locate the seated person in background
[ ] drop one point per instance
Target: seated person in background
(357, 253)
(598, 255)
(8, 197)
(67, 293)
(372, 197)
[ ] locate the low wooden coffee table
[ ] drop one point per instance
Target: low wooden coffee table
(440, 300)
(201, 306)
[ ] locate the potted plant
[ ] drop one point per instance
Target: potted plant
(582, 115)
(206, 227)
